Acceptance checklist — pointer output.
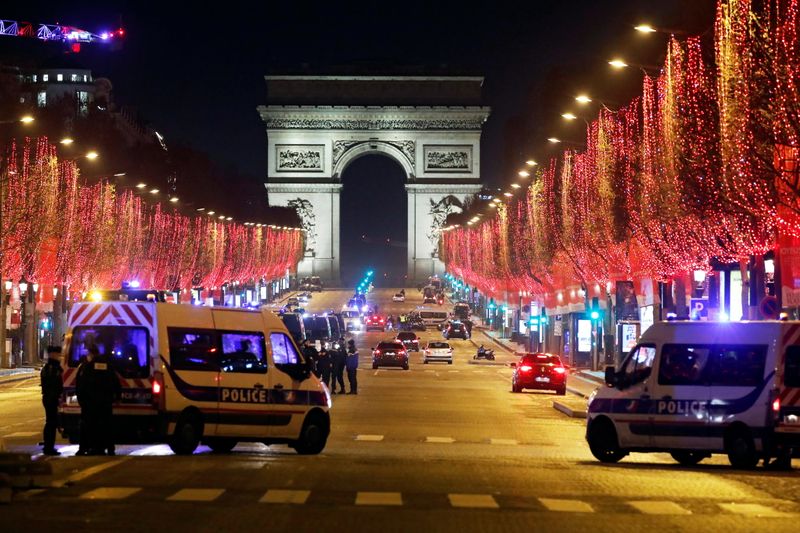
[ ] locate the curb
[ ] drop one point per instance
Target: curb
(576, 392)
(14, 379)
(23, 473)
(569, 411)
(590, 377)
(487, 363)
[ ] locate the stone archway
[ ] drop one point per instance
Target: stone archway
(317, 125)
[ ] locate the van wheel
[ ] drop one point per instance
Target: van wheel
(603, 442)
(221, 445)
(741, 449)
(688, 457)
(188, 433)
(313, 436)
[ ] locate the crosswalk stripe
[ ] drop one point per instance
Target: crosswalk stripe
(566, 506)
(20, 434)
(753, 509)
(508, 442)
(285, 496)
(440, 440)
(110, 493)
(369, 438)
(659, 507)
(379, 498)
(196, 495)
(482, 501)
(452, 371)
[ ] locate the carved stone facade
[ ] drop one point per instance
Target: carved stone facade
(438, 147)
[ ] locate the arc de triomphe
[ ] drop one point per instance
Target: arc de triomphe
(317, 125)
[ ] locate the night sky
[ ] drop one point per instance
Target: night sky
(196, 74)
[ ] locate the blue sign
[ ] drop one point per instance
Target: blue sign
(698, 308)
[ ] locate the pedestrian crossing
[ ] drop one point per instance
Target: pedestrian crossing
(440, 439)
(475, 501)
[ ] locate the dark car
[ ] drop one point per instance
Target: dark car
(390, 353)
(294, 323)
(409, 340)
(542, 371)
(429, 300)
(455, 330)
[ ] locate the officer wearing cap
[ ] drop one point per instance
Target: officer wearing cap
(52, 387)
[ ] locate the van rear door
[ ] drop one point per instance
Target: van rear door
(287, 398)
(244, 409)
(789, 386)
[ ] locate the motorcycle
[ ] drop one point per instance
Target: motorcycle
(483, 353)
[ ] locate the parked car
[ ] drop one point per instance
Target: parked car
(539, 371)
(390, 353)
(409, 340)
(399, 297)
(437, 351)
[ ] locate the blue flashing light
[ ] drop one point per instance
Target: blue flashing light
(594, 315)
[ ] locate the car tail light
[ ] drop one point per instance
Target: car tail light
(525, 368)
(776, 405)
(402, 352)
(377, 352)
(559, 369)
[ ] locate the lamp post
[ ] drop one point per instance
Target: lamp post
(5, 360)
(23, 324)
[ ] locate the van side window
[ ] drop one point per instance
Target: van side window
(283, 352)
(683, 364)
(791, 372)
(193, 349)
(739, 365)
(243, 352)
(639, 364)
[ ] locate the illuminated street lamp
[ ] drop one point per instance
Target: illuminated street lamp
(523, 174)
(645, 28)
(553, 140)
(516, 185)
(568, 116)
(92, 155)
(583, 99)
(531, 163)
(174, 199)
(618, 63)
(27, 119)
(141, 185)
(66, 141)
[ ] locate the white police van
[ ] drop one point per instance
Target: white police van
(697, 388)
(198, 374)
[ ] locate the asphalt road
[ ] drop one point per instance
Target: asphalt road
(436, 448)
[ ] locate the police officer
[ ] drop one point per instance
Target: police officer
(324, 366)
(352, 366)
(101, 388)
(52, 387)
(339, 361)
(83, 390)
(311, 355)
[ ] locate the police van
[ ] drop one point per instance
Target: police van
(431, 317)
(194, 375)
(697, 388)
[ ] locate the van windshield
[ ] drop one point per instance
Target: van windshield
(125, 346)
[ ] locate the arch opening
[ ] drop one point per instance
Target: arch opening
(374, 220)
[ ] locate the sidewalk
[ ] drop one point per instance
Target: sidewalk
(9, 375)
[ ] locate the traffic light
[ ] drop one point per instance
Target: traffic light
(595, 312)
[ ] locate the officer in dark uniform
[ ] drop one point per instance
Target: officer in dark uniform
(101, 388)
(311, 355)
(339, 360)
(324, 366)
(52, 387)
(84, 390)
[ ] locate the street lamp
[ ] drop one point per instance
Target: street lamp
(618, 63)
(4, 360)
(531, 163)
(553, 140)
(583, 99)
(645, 28)
(524, 174)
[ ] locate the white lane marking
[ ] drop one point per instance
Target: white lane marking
(483, 501)
(196, 495)
(88, 472)
(21, 434)
(298, 497)
(753, 509)
(369, 438)
(431, 371)
(452, 371)
(440, 440)
(379, 498)
(659, 507)
(566, 506)
(110, 493)
(507, 442)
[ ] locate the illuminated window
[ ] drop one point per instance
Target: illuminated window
(45, 77)
(35, 78)
(682, 364)
(83, 102)
(73, 77)
(193, 349)
(59, 77)
(41, 99)
(85, 78)
(243, 352)
(283, 351)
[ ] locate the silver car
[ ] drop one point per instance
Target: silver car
(438, 351)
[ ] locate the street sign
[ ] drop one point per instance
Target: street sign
(769, 307)
(699, 309)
